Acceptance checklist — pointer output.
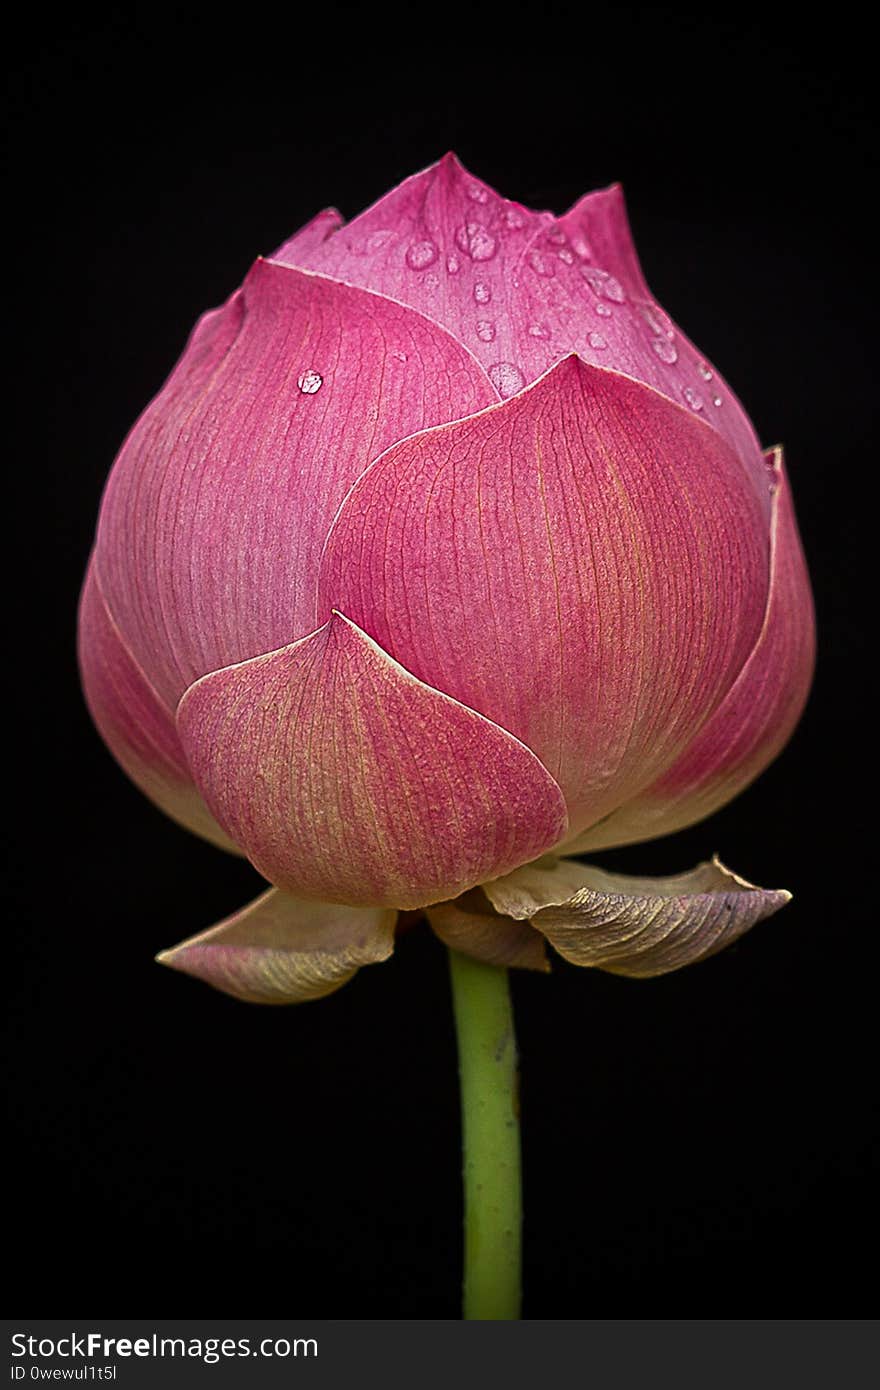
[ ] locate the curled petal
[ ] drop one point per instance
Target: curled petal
(471, 925)
(585, 565)
(137, 728)
(281, 950)
(219, 503)
(345, 778)
(755, 719)
(634, 926)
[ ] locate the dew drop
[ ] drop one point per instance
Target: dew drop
(539, 330)
(566, 256)
(482, 292)
(513, 218)
(478, 194)
(310, 381)
(421, 254)
(485, 330)
(475, 241)
(705, 371)
(374, 242)
(582, 248)
(453, 264)
(716, 400)
(596, 341)
(694, 400)
(506, 378)
(541, 265)
(604, 284)
(603, 311)
(665, 350)
(652, 319)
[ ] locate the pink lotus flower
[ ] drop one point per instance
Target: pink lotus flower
(443, 556)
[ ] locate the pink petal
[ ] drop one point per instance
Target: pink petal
(344, 778)
(585, 564)
(219, 503)
(471, 925)
(281, 950)
(448, 245)
(133, 722)
(756, 718)
(309, 237)
(590, 297)
(634, 926)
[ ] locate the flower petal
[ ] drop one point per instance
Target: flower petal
(446, 244)
(218, 505)
(133, 722)
(471, 925)
(585, 564)
(634, 926)
(589, 296)
(281, 950)
(309, 237)
(756, 718)
(344, 778)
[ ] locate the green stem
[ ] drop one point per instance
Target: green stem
(490, 1138)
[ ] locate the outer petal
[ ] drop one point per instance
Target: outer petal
(756, 718)
(448, 245)
(345, 778)
(281, 950)
(586, 565)
(634, 926)
(309, 237)
(133, 722)
(219, 503)
(471, 925)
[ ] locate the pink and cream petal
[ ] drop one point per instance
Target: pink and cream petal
(585, 564)
(282, 950)
(471, 925)
(754, 721)
(345, 778)
(220, 501)
(634, 926)
(135, 725)
(448, 245)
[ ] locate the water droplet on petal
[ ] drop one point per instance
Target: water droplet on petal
(539, 330)
(310, 381)
(374, 242)
(582, 248)
(475, 241)
(652, 318)
(452, 264)
(478, 193)
(482, 292)
(566, 255)
(665, 350)
(506, 378)
(603, 311)
(541, 265)
(421, 254)
(513, 218)
(716, 400)
(705, 371)
(596, 341)
(485, 330)
(694, 400)
(602, 283)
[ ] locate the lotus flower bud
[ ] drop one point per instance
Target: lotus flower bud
(441, 557)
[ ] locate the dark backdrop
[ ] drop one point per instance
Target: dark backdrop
(694, 1146)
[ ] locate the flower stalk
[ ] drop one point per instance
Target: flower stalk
(490, 1139)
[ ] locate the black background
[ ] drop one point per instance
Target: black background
(699, 1145)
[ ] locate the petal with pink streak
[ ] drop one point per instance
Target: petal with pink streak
(345, 778)
(634, 926)
(282, 950)
(447, 244)
(755, 720)
(471, 925)
(585, 565)
(588, 295)
(219, 503)
(133, 722)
